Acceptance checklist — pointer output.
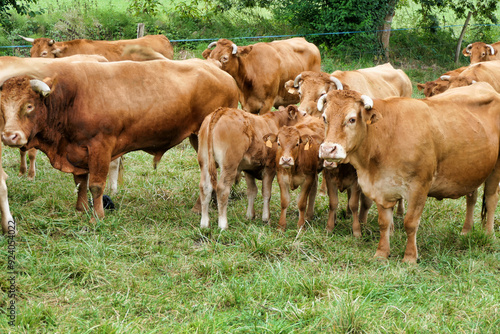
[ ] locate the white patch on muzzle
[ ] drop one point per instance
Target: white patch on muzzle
(332, 152)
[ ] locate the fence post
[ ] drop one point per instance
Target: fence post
(140, 30)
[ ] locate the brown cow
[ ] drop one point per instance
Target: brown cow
(233, 140)
(86, 114)
(261, 69)
(487, 71)
(480, 51)
(441, 84)
(298, 164)
(111, 50)
(445, 146)
(380, 81)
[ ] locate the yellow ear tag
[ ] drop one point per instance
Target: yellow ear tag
(269, 144)
(306, 148)
(369, 122)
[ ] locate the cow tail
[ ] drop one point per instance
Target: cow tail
(212, 167)
(484, 210)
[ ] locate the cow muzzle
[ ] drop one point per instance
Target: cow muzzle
(14, 138)
(286, 162)
(330, 164)
(332, 152)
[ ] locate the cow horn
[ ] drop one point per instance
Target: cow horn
(211, 45)
(336, 82)
(51, 42)
(321, 102)
(27, 39)
(367, 101)
(235, 48)
(40, 87)
(445, 77)
(296, 81)
(467, 49)
(492, 50)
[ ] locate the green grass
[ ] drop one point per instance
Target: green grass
(148, 268)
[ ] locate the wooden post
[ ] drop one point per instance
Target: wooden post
(140, 30)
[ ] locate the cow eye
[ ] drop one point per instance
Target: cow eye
(352, 120)
(224, 59)
(44, 54)
(29, 108)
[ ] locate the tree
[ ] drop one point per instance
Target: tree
(20, 6)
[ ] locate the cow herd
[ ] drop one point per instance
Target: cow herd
(86, 103)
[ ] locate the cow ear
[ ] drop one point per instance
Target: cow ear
(465, 53)
(307, 140)
(58, 52)
(244, 50)
(420, 87)
(205, 54)
(293, 111)
(290, 88)
(270, 138)
(372, 116)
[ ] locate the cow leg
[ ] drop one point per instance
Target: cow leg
(365, 205)
(471, 200)
(23, 165)
(411, 222)
(333, 198)
(354, 206)
(8, 224)
(32, 170)
(348, 211)
(251, 195)
(490, 201)
(322, 188)
(284, 183)
(384, 223)
(226, 180)
(81, 182)
(312, 198)
(115, 169)
(193, 140)
(98, 172)
(267, 184)
(305, 190)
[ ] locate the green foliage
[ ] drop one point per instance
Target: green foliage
(147, 7)
(482, 10)
(320, 16)
(22, 7)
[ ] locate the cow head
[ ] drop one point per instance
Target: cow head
(22, 103)
(435, 87)
(44, 47)
(309, 86)
(479, 51)
(225, 54)
(347, 115)
(289, 142)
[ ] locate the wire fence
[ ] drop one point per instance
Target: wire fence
(405, 45)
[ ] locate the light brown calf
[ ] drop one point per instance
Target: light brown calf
(233, 140)
(298, 164)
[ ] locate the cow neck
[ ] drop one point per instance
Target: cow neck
(279, 117)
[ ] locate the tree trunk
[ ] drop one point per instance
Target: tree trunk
(460, 39)
(385, 33)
